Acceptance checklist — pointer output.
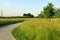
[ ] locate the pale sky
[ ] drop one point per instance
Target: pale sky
(18, 7)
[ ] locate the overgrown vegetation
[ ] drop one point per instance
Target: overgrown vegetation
(38, 29)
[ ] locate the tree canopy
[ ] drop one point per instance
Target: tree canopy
(29, 15)
(49, 12)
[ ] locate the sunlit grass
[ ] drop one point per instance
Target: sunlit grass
(6, 21)
(38, 29)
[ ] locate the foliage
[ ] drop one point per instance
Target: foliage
(48, 11)
(29, 15)
(38, 29)
(57, 15)
(41, 15)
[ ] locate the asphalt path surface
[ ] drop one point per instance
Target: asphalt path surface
(5, 31)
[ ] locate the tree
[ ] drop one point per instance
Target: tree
(29, 15)
(48, 11)
(57, 15)
(41, 15)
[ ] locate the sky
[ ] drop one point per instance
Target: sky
(19, 7)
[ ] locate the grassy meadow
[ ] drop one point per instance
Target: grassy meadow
(38, 29)
(6, 21)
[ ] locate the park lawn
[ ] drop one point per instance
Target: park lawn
(38, 29)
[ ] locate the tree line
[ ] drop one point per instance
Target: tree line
(49, 11)
(28, 15)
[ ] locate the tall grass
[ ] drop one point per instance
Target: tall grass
(38, 29)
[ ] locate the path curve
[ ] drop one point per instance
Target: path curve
(5, 32)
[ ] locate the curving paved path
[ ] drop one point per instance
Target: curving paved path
(5, 32)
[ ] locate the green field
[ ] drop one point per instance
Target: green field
(38, 29)
(7, 21)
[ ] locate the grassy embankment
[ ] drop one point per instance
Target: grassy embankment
(6, 21)
(38, 29)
